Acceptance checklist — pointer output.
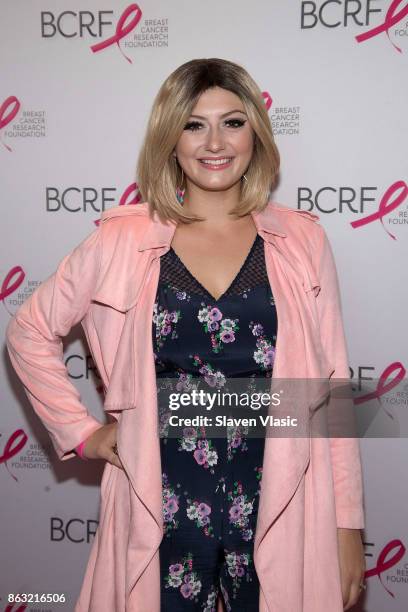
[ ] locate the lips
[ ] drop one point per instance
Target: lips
(216, 162)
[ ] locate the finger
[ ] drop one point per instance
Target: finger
(353, 595)
(344, 594)
(114, 459)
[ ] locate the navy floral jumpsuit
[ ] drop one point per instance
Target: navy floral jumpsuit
(211, 487)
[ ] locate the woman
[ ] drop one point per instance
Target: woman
(193, 281)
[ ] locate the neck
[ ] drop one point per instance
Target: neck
(214, 206)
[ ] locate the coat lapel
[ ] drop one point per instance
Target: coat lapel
(127, 261)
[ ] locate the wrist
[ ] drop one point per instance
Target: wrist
(80, 450)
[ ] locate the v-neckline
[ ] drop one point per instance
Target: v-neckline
(232, 283)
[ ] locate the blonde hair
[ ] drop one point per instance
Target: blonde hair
(158, 171)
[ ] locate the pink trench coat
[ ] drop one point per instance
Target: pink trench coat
(309, 486)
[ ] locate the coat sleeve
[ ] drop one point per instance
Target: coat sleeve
(34, 342)
(345, 450)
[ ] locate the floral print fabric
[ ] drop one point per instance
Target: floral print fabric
(211, 487)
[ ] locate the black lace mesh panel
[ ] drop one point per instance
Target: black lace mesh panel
(252, 273)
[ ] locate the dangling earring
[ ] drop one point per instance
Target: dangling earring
(180, 191)
(244, 177)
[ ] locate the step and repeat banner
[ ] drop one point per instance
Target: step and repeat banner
(77, 81)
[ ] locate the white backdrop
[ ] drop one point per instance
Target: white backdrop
(77, 83)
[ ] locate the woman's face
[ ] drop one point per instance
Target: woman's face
(217, 129)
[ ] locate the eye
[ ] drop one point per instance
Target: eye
(192, 125)
(237, 122)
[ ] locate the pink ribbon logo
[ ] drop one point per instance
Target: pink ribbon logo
(126, 195)
(386, 205)
(383, 564)
(7, 288)
(12, 105)
(20, 438)
(267, 99)
(391, 18)
(133, 187)
(382, 387)
(122, 30)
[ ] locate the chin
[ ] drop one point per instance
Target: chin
(219, 187)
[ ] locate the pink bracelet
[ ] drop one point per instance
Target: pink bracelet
(80, 448)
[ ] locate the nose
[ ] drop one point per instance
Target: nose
(215, 141)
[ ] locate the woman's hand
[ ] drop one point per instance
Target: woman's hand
(101, 443)
(352, 564)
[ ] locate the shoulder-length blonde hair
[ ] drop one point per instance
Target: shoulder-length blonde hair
(158, 171)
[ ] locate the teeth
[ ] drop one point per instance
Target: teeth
(216, 162)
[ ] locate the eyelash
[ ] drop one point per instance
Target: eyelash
(194, 124)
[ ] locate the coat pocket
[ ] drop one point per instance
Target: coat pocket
(121, 280)
(120, 394)
(310, 280)
(120, 299)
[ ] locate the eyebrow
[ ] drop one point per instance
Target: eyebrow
(224, 115)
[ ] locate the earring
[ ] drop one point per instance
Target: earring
(244, 177)
(180, 191)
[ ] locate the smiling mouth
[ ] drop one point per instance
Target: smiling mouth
(216, 163)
